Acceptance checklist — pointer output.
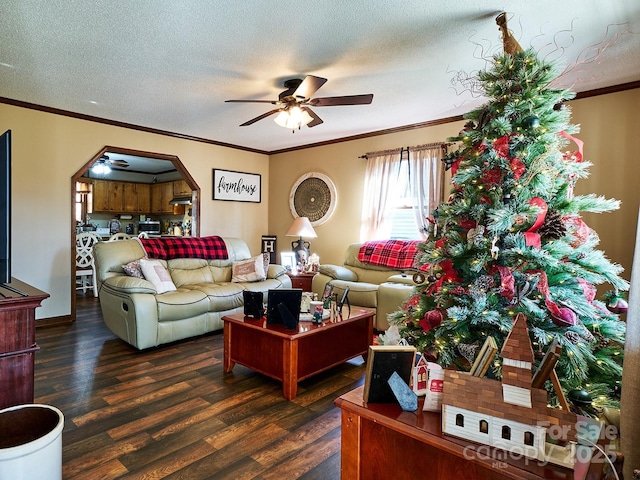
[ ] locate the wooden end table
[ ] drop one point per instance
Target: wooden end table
(293, 355)
(302, 280)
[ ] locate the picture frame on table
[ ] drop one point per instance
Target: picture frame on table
(382, 362)
(328, 291)
(288, 261)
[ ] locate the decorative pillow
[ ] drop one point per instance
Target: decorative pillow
(266, 258)
(251, 270)
(157, 274)
(133, 269)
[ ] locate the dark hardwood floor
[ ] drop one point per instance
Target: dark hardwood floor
(172, 413)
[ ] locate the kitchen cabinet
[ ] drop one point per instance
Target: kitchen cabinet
(161, 195)
(181, 189)
(129, 197)
(130, 202)
(121, 197)
(100, 196)
(116, 196)
(144, 197)
(108, 196)
(137, 198)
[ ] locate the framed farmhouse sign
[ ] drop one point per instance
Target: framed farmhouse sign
(237, 186)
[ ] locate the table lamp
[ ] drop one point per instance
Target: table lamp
(301, 227)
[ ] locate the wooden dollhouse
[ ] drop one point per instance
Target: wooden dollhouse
(509, 414)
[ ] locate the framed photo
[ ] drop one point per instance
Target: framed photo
(485, 358)
(237, 186)
(328, 291)
(382, 361)
(288, 261)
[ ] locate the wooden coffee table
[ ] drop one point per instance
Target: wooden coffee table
(293, 355)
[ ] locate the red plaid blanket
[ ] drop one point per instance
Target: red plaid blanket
(397, 254)
(166, 248)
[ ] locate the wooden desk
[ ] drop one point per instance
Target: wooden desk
(18, 342)
(293, 355)
(380, 441)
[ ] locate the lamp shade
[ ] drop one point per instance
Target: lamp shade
(301, 227)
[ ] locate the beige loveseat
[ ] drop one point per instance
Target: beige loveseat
(135, 312)
(370, 286)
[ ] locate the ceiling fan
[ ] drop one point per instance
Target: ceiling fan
(294, 102)
(116, 163)
(104, 163)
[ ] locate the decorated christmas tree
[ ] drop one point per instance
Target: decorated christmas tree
(510, 239)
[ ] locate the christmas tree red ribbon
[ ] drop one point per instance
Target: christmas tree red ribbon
(543, 287)
(449, 274)
(479, 147)
(501, 146)
(507, 281)
(578, 142)
(532, 239)
(563, 317)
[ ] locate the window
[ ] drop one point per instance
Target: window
(484, 426)
(402, 220)
(506, 432)
(528, 438)
(460, 420)
(83, 201)
(402, 188)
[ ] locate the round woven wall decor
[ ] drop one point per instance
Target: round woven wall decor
(314, 196)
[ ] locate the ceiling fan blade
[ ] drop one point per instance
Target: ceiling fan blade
(264, 115)
(316, 119)
(119, 163)
(273, 102)
(344, 100)
(309, 86)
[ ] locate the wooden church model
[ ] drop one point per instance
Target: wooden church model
(509, 414)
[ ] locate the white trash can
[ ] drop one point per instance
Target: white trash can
(31, 442)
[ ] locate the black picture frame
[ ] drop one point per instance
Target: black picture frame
(382, 361)
(234, 186)
(253, 304)
(283, 307)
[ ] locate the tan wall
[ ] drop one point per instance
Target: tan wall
(610, 130)
(47, 150)
(341, 163)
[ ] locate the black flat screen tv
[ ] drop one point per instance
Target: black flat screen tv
(5, 207)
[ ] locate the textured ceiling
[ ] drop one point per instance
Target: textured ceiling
(170, 64)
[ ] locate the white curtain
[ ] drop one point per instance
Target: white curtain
(381, 175)
(426, 178)
(426, 182)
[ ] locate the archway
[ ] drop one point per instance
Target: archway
(81, 177)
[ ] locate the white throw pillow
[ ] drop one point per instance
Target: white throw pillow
(157, 274)
(251, 270)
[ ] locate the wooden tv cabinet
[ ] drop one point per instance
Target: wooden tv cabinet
(380, 441)
(18, 341)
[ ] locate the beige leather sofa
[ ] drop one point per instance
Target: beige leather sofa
(370, 286)
(135, 312)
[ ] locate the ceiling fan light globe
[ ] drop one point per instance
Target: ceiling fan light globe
(281, 118)
(293, 118)
(101, 168)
